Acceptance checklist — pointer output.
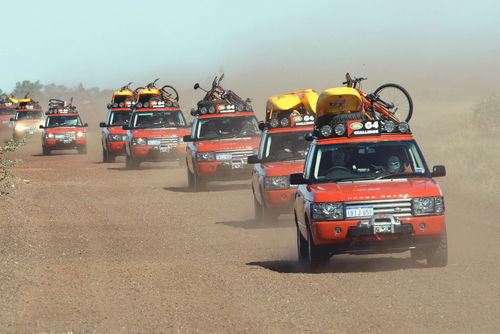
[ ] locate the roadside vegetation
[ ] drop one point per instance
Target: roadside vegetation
(6, 176)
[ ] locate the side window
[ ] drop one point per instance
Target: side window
(263, 145)
(309, 160)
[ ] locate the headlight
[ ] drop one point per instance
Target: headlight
(50, 135)
(117, 138)
(277, 182)
(205, 156)
(180, 140)
(327, 211)
(80, 134)
(139, 141)
(203, 110)
(428, 206)
(20, 127)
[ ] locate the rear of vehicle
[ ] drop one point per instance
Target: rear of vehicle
(220, 144)
(62, 131)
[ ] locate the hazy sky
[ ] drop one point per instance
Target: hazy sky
(108, 43)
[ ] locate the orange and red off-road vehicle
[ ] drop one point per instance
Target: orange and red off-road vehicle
(289, 118)
(366, 188)
(113, 135)
(8, 107)
(156, 127)
(29, 116)
(224, 133)
(63, 128)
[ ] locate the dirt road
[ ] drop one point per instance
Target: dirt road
(92, 247)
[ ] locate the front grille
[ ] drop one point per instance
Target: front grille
(166, 141)
(238, 154)
(396, 207)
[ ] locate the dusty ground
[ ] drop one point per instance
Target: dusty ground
(91, 247)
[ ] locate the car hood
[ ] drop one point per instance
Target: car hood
(64, 130)
(227, 144)
(282, 167)
(374, 190)
(156, 133)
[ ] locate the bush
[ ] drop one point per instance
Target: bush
(6, 176)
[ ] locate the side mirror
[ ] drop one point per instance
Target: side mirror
(46, 113)
(102, 124)
(297, 178)
(309, 136)
(193, 112)
(187, 138)
(126, 127)
(41, 126)
(85, 125)
(262, 126)
(253, 159)
(12, 120)
(109, 105)
(438, 170)
(196, 86)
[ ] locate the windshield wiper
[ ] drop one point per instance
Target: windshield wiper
(396, 175)
(353, 178)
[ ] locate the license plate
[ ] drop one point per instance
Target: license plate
(5, 121)
(223, 156)
(59, 136)
(31, 132)
(361, 211)
(66, 141)
(165, 149)
(154, 142)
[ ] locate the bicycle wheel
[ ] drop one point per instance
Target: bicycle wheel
(396, 100)
(170, 92)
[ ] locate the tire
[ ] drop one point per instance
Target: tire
(45, 150)
(343, 118)
(82, 150)
(316, 257)
(195, 184)
(105, 156)
(257, 209)
(131, 163)
(302, 250)
(399, 97)
(437, 256)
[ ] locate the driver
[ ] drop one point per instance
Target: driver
(338, 158)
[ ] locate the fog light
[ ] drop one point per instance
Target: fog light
(284, 122)
(422, 226)
(403, 127)
(338, 230)
(283, 196)
(211, 110)
(339, 129)
(203, 110)
(389, 126)
(326, 131)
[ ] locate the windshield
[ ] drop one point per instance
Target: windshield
(363, 161)
(120, 117)
(29, 115)
(227, 127)
(286, 146)
(63, 121)
(158, 119)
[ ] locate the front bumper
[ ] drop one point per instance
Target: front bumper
(62, 144)
(279, 199)
(117, 147)
(344, 232)
(219, 170)
(174, 152)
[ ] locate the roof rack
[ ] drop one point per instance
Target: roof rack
(293, 120)
(57, 106)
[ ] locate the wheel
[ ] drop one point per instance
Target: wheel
(302, 250)
(105, 156)
(343, 118)
(131, 163)
(170, 92)
(195, 183)
(316, 257)
(82, 150)
(45, 150)
(397, 100)
(257, 209)
(437, 256)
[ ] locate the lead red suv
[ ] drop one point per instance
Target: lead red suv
(366, 188)
(224, 133)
